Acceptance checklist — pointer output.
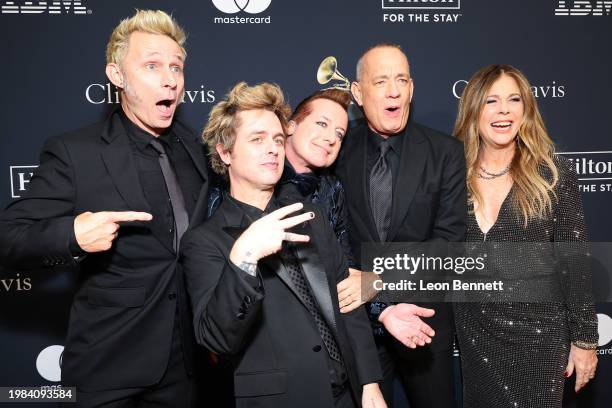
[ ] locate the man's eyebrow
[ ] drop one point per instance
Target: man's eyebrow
(382, 76)
(157, 53)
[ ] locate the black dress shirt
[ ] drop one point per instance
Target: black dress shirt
(152, 178)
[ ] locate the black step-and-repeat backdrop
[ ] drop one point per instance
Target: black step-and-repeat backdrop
(52, 67)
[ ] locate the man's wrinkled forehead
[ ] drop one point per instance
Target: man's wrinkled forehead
(385, 58)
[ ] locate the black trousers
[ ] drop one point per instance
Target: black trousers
(427, 376)
(345, 399)
(175, 389)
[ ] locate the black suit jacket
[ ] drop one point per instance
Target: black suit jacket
(429, 200)
(123, 312)
(270, 337)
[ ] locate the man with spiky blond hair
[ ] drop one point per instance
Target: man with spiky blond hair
(112, 201)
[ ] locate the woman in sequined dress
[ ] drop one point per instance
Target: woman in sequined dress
(517, 354)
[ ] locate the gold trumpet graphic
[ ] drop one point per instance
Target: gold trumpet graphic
(328, 70)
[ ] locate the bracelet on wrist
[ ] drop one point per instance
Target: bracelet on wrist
(585, 345)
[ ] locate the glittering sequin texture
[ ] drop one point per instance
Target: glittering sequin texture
(514, 354)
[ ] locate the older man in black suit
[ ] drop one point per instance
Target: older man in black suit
(404, 183)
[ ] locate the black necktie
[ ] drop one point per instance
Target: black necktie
(381, 192)
(181, 219)
(299, 281)
(307, 183)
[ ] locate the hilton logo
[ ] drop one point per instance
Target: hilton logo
(422, 4)
(20, 177)
(594, 170)
(421, 11)
(584, 8)
(52, 7)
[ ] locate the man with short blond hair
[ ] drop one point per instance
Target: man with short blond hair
(112, 201)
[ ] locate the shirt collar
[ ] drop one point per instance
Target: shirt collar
(395, 141)
(141, 137)
(251, 212)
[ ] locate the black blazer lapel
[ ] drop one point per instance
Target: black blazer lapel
(274, 263)
(119, 162)
(198, 156)
(196, 150)
(413, 158)
(313, 268)
(358, 173)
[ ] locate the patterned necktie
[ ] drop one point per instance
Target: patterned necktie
(381, 188)
(181, 219)
(300, 284)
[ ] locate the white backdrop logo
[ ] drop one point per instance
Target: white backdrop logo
(550, 90)
(49, 363)
(422, 4)
(50, 7)
(15, 284)
(594, 170)
(20, 177)
(584, 8)
(604, 325)
(421, 11)
(106, 93)
(235, 6)
(252, 7)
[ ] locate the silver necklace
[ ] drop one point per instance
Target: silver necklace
(490, 176)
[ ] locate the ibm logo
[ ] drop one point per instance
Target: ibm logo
(20, 177)
(422, 4)
(51, 7)
(584, 8)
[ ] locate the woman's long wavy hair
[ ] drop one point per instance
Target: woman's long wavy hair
(534, 154)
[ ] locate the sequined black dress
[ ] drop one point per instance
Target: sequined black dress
(515, 354)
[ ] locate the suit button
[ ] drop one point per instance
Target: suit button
(171, 295)
(247, 300)
(316, 348)
(171, 230)
(240, 316)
